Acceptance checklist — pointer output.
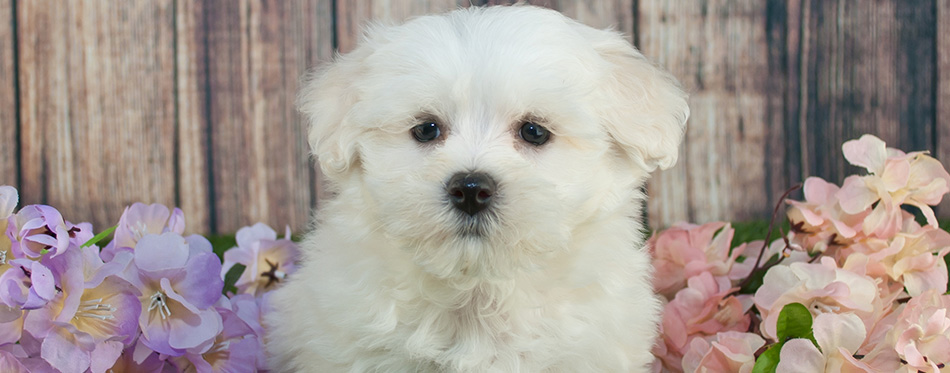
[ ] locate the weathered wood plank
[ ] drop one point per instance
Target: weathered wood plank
(868, 68)
(783, 149)
(9, 167)
(718, 50)
(352, 15)
(97, 105)
(942, 124)
(192, 98)
(257, 51)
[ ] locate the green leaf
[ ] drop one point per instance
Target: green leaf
(232, 277)
(99, 237)
(794, 322)
(768, 361)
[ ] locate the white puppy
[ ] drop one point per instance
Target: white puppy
(487, 167)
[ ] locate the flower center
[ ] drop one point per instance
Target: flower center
(94, 308)
(3, 257)
(818, 307)
(139, 230)
(273, 274)
(218, 353)
(159, 302)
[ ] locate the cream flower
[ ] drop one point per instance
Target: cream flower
(895, 179)
(839, 336)
(821, 287)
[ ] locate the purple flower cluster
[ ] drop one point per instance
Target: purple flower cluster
(149, 301)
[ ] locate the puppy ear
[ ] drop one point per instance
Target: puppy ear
(325, 99)
(646, 108)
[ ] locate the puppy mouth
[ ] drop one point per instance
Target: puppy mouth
(477, 226)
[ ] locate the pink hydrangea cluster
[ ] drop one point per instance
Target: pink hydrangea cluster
(871, 274)
(151, 300)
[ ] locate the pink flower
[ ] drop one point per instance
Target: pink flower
(913, 257)
(895, 179)
(821, 287)
(268, 260)
(839, 337)
(922, 332)
(702, 309)
(819, 221)
(686, 250)
(725, 352)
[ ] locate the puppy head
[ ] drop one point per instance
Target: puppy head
(483, 140)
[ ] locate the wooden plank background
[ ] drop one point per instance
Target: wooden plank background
(190, 102)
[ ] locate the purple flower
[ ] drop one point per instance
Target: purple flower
(27, 352)
(8, 202)
(179, 282)
(268, 260)
(28, 284)
(11, 324)
(91, 316)
(11, 364)
(138, 359)
(251, 309)
(39, 229)
(140, 220)
(92, 298)
(235, 349)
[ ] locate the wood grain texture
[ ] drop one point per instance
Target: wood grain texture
(942, 137)
(867, 67)
(615, 14)
(718, 50)
(97, 105)
(353, 15)
(192, 99)
(257, 51)
(9, 165)
(783, 147)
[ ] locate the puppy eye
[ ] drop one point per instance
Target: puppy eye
(534, 133)
(426, 132)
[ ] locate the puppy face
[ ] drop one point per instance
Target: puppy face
(484, 140)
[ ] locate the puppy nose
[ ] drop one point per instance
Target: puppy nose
(471, 192)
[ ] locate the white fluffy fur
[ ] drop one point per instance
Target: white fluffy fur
(559, 281)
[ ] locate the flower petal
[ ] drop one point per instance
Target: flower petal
(800, 355)
(8, 200)
(67, 349)
(868, 151)
(855, 196)
(191, 334)
(161, 252)
(104, 356)
(833, 330)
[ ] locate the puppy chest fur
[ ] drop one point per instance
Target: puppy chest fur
(486, 167)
